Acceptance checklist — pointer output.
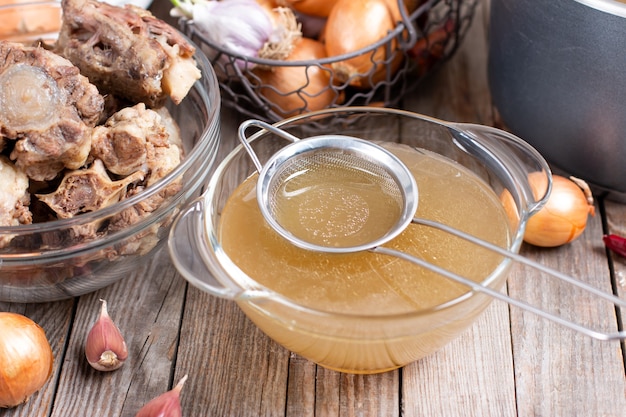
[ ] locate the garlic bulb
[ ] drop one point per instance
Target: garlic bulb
(243, 27)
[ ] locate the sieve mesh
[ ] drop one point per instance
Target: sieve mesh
(336, 165)
(351, 199)
(333, 193)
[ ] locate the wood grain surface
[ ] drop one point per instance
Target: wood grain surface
(509, 363)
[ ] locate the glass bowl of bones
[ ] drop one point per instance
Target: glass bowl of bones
(107, 128)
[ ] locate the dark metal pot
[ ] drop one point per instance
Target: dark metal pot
(557, 73)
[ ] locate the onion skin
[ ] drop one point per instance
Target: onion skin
(564, 216)
(319, 8)
(25, 359)
(354, 25)
(297, 89)
(412, 5)
(268, 4)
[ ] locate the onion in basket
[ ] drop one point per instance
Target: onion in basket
(295, 89)
(354, 25)
(320, 8)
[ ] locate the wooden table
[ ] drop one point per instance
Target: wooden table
(510, 363)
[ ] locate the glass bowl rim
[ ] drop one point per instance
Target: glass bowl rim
(262, 292)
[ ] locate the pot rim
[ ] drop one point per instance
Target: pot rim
(614, 7)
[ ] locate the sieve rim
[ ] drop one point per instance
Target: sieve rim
(363, 148)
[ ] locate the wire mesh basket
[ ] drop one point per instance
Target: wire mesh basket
(421, 42)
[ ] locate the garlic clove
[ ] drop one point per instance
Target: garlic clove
(105, 347)
(166, 404)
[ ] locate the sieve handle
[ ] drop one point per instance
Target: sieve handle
(263, 125)
(475, 286)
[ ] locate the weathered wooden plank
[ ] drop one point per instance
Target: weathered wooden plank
(301, 390)
(473, 375)
(616, 223)
(615, 216)
(340, 394)
(234, 368)
(559, 372)
(147, 307)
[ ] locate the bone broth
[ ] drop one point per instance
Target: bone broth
(366, 283)
(336, 206)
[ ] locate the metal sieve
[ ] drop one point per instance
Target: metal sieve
(334, 162)
(346, 162)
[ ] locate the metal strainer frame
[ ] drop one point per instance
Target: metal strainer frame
(391, 162)
(343, 146)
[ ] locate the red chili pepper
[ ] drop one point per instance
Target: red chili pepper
(616, 243)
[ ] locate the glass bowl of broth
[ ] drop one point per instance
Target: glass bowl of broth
(365, 312)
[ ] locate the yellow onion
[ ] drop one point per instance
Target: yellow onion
(296, 89)
(564, 216)
(25, 359)
(412, 5)
(319, 8)
(355, 25)
(268, 4)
